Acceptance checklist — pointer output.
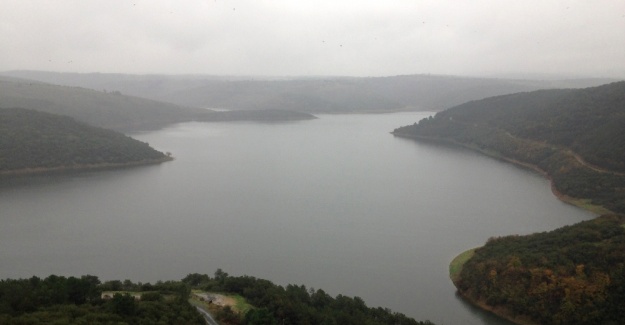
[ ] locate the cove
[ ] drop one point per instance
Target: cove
(335, 203)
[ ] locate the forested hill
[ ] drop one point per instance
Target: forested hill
(572, 275)
(577, 136)
(85, 300)
(114, 110)
(37, 141)
(306, 94)
(110, 110)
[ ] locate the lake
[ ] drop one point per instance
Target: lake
(335, 203)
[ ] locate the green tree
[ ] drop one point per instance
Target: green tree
(260, 316)
(124, 305)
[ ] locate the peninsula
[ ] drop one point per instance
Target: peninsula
(35, 142)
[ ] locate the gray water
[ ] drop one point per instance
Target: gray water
(335, 203)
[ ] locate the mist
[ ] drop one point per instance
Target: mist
(546, 39)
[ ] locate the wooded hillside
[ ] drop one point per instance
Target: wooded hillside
(114, 110)
(35, 140)
(572, 275)
(577, 136)
(110, 110)
(61, 300)
(296, 304)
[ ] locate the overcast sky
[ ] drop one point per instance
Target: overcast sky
(316, 37)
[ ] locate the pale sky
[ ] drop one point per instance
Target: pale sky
(316, 37)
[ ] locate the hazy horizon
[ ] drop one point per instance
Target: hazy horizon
(285, 39)
(511, 76)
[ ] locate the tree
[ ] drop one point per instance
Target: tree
(124, 304)
(221, 276)
(260, 316)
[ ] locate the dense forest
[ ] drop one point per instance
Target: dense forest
(306, 94)
(572, 275)
(573, 135)
(114, 110)
(296, 304)
(31, 140)
(61, 300)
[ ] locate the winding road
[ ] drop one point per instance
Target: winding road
(209, 319)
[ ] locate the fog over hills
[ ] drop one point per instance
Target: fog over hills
(114, 110)
(103, 109)
(307, 94)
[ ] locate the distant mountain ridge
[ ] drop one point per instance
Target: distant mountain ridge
(108, 110)
(313, 95)
(576, 136)
(113, 110)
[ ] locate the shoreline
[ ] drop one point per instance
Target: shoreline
(577, 202)
(457, 263)
(499, 312)
(455, 267)
(84, 167)
(454, 275)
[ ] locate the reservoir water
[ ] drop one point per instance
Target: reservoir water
(335, 203)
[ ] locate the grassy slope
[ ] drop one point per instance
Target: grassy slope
(455, 267)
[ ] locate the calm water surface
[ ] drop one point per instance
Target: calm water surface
(335, 203)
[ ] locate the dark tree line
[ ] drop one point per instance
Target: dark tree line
(295, 304)
(62, 300)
